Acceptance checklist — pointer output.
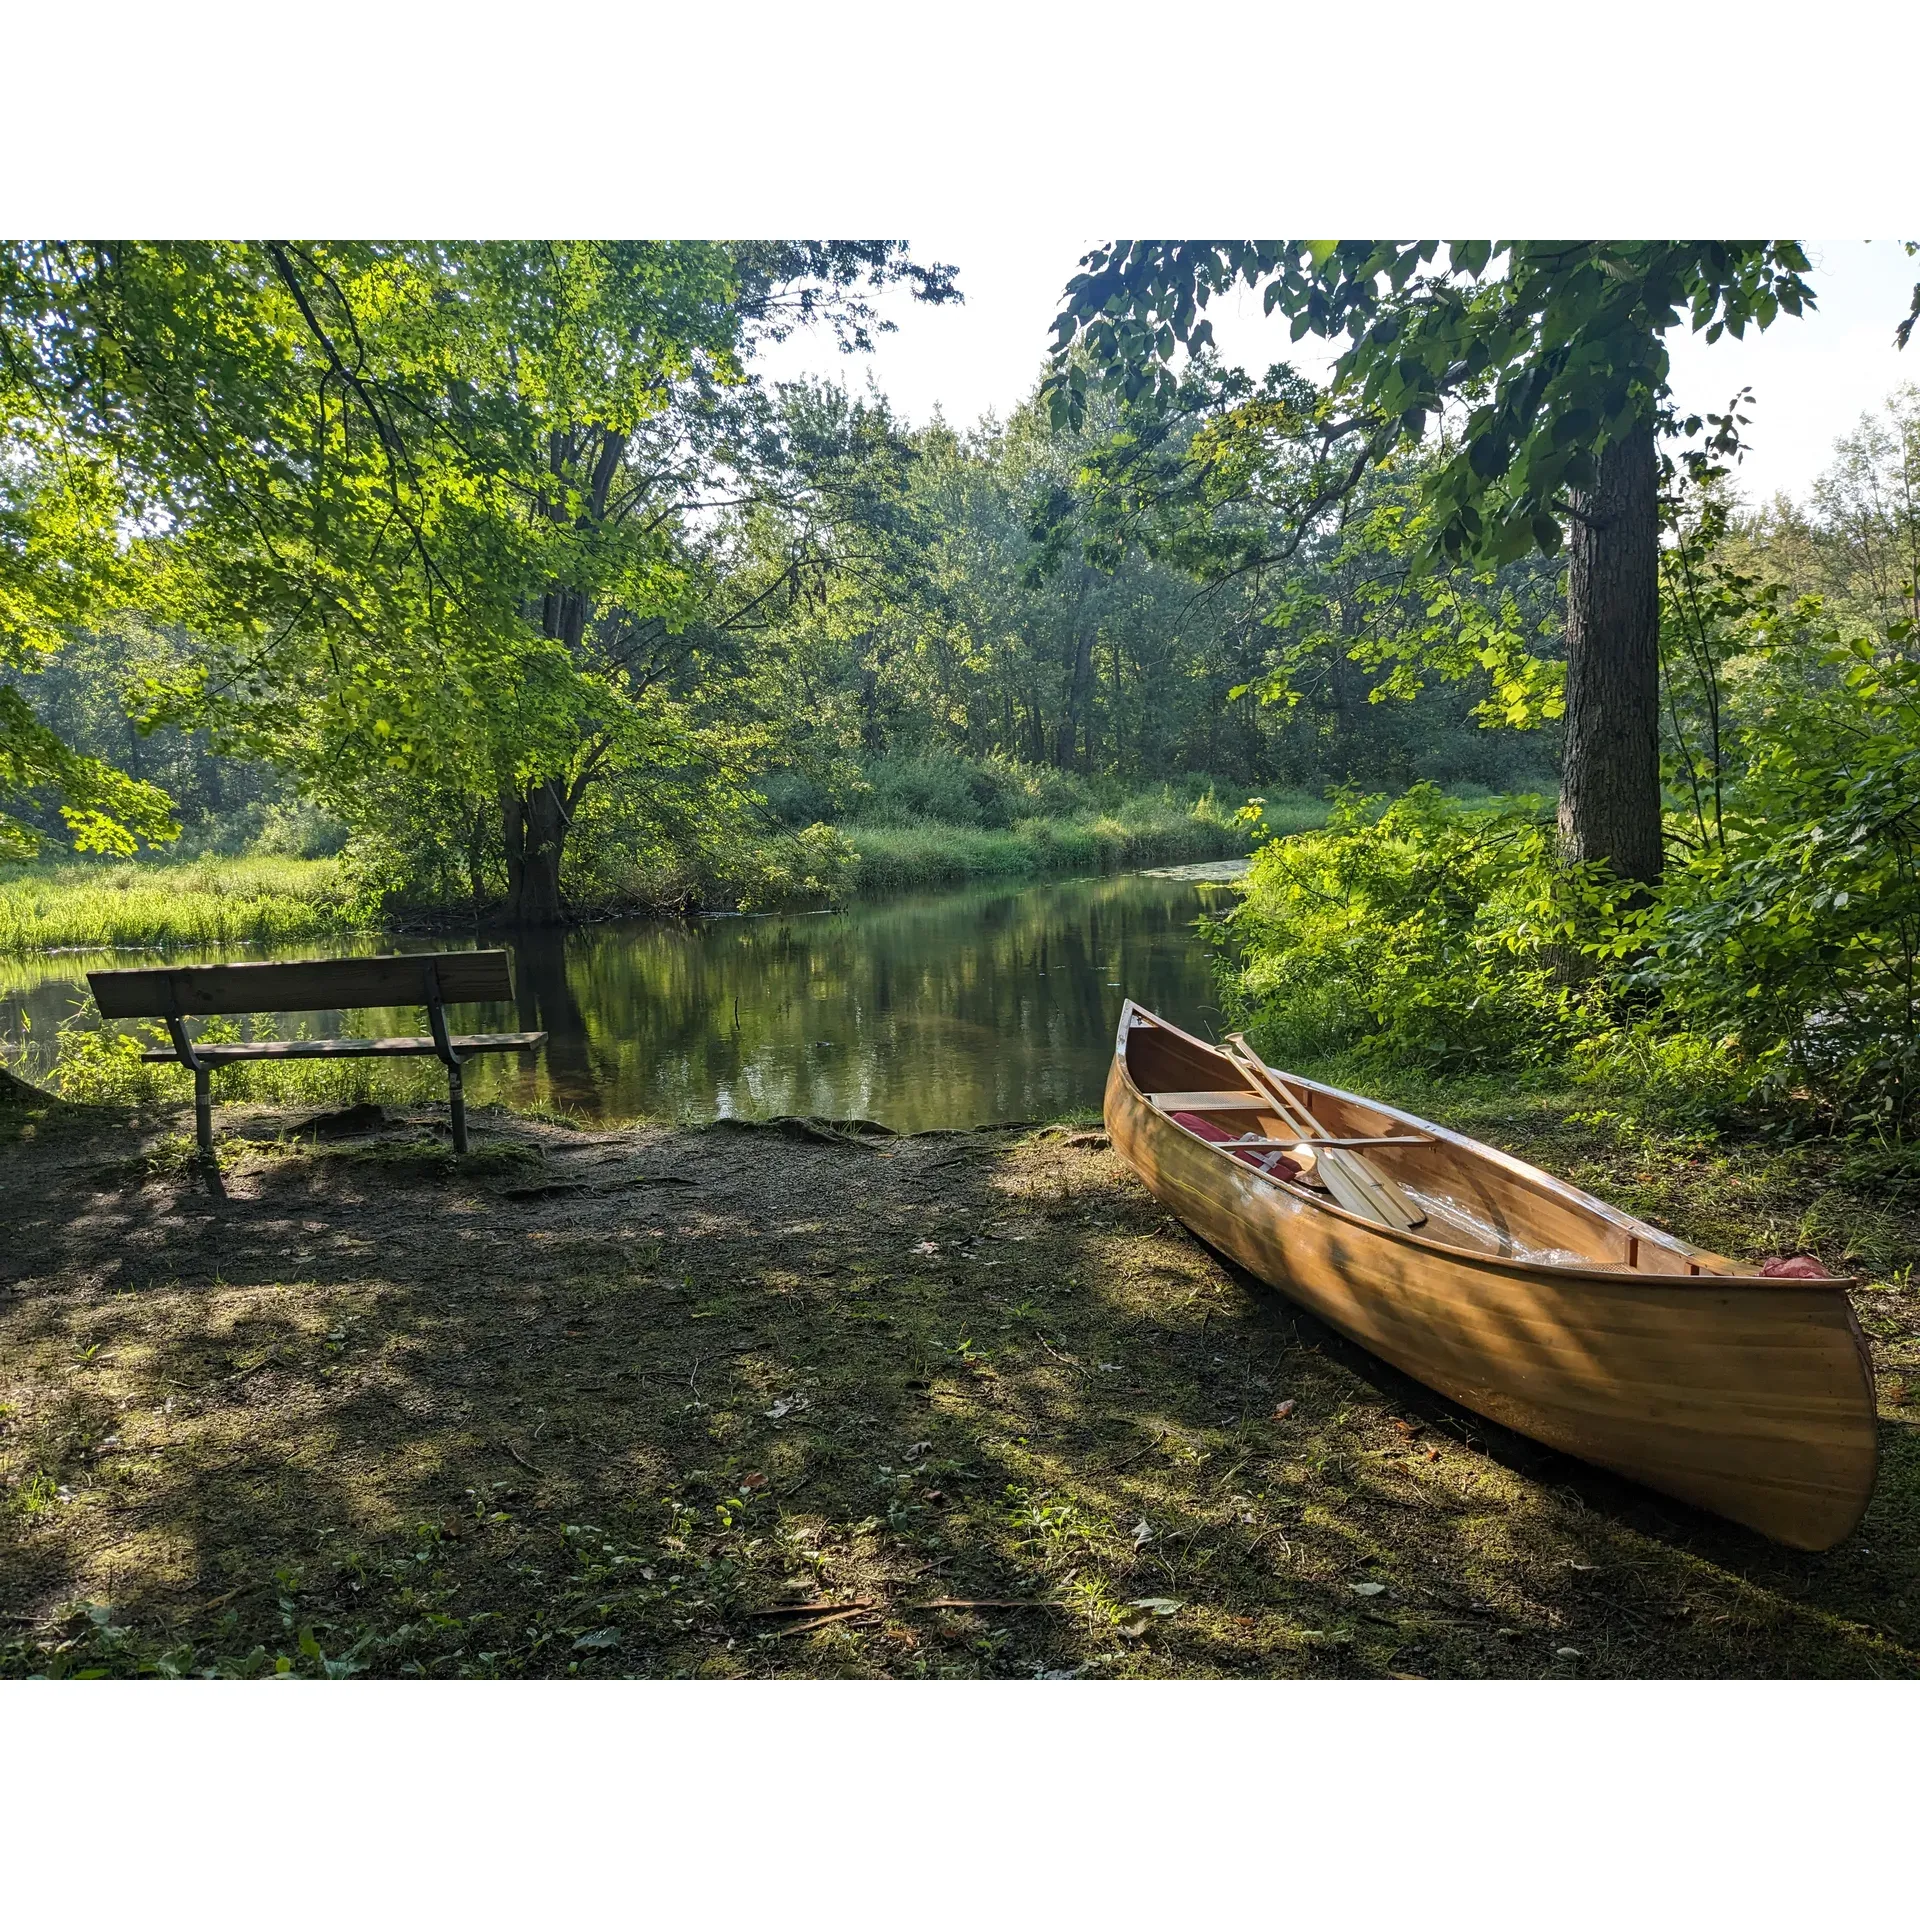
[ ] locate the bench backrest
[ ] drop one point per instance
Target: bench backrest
(302, 986)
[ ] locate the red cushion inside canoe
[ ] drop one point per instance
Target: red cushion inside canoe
(1270, 1159)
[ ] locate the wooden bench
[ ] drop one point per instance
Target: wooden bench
(434, 981)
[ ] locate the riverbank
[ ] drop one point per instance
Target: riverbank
(156, 903)
(791, 1400)
(211, 901)
(903, 859)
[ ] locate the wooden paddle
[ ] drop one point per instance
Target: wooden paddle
(1349, 1179)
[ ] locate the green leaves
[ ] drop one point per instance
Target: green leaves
(1558, 344)
(1420, 931)
(105, 811)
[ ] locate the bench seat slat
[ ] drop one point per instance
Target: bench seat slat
(301, 986)
(222, 1053)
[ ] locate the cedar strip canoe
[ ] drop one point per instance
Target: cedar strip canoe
(1521, 1297)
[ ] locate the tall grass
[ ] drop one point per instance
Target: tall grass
(102, 1067)
(1140, 834)
(133, 904)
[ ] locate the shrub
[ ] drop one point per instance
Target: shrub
(301, 831)
(1417, 932)
(1792, 929)
(945, 789)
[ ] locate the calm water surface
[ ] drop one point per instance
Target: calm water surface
(939, 1010)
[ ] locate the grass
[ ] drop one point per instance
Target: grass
(97, 903)
(747, 1401)
(102, 1067)
(100, 904)
(895, 859)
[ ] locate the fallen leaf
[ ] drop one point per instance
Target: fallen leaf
(1366, 1589)
(1284, 1411)
(606, 1637)
(928, 1246)
(1407, 1427)
(1142, 1533)
(753, 1483)
(1157, 1604)
(1433, 1453)
(1566, 1653)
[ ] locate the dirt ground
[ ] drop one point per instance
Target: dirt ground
(787, 1400)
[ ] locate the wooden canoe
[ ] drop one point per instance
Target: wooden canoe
(1745, 1393)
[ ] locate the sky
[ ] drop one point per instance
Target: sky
(1812, 378)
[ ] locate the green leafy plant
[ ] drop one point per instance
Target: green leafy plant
(1419, 931)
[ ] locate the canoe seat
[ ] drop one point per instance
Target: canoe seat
(1268, 1159)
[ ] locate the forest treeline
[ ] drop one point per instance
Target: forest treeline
(956, 663)
(497, 569)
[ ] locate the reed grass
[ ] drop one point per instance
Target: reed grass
(895, 859)
(135, 904)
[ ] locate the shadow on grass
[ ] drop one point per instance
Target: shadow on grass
(753, 1401)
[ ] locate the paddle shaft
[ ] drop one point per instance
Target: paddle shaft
(1384, 1199)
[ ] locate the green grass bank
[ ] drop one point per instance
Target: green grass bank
(94, 903)
(894, 859)
(264, 897)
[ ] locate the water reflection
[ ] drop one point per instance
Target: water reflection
(942, 1010)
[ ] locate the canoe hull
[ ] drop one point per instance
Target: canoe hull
(1754, 1402)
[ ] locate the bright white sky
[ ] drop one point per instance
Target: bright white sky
(1811, 378)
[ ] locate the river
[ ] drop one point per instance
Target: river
(953, 1009)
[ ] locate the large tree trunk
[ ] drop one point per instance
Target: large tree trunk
(535, 830)
(1610, 764)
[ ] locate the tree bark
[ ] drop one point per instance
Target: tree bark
(535, 832)
(1610, 761)
(1073, 723)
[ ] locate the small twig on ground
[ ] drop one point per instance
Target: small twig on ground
(819, 1620)
(813, 1606)
(207, 1606)
(983, 1603)
(1141, 1455)
(523, 1460)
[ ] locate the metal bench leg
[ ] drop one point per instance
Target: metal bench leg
(457, 1100)
(203, 1131)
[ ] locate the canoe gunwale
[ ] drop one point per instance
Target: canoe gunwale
(1546, 1271)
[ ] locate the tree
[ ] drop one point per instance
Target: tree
(59, 566)
(435, 512)
(1545, 362)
